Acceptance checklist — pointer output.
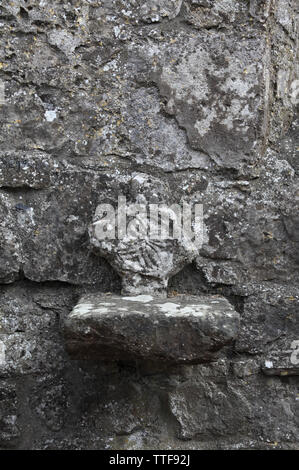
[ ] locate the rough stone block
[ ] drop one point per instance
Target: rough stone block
(176, 330)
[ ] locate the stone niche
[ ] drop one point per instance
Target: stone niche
(144, 324)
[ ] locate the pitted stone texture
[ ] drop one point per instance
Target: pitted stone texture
(155, 138)
(213, 13)
(270, 320)
(26, 170)
(178, 330)
(220, 110)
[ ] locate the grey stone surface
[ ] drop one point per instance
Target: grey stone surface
(180, 330)
(58, 403)
(96, 93)
(9, 430)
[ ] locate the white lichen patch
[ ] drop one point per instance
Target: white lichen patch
(2, 353)
(268, 364)
(203, 126)
(182, 80)
(170, 308)
(50, 115)
(65, 41)
(139, 298)
(82, 309)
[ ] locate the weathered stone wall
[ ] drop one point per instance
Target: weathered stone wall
(200, 95)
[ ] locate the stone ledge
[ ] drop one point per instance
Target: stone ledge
(178, 330)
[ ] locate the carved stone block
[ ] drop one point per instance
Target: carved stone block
(177, 330)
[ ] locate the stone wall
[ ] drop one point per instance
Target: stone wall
(201, 95)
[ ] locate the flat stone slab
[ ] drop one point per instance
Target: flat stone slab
(179, 330)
